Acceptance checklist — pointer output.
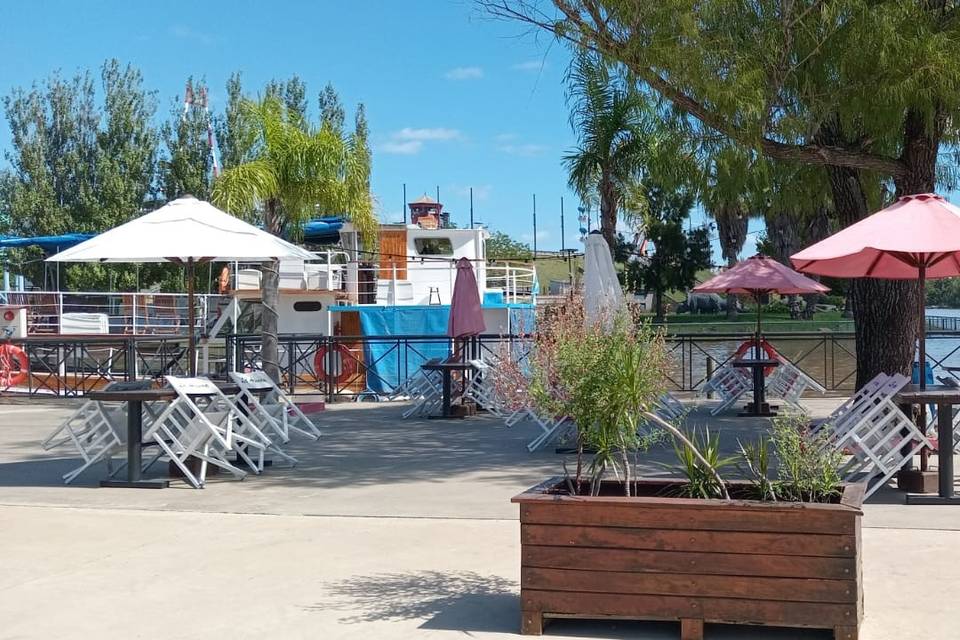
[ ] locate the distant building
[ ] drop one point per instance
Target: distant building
(427, 213)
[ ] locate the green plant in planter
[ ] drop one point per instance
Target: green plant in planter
(809, 468)
(700, 462)
(606, 377)
(755, 465)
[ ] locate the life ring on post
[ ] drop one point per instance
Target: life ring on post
(14, 366)
(768, 349)
(337, 363)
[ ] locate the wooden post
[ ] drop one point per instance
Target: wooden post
(691, 629)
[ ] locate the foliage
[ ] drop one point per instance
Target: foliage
(679, 254)
(186, 167)
(853, 101)
(755, 465)
(944, 293)
(700, 462)
(607, 115)
(295, 171)
(500, 246)
(77, 164)
(603, 377)
(809, 466)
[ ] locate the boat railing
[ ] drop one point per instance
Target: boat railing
(111, 313)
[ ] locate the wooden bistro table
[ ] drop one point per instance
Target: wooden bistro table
(134, 400)
(446, 368)
(759, 406)
(945, 398)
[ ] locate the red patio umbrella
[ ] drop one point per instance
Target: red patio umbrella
(759, 276)
(916, 238)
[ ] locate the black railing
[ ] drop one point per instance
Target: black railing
(69, 366)
(347, 365)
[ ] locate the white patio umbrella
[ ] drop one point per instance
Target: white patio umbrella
(187, 232)
(602, 295)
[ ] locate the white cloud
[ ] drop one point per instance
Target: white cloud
(184, 32)
(480, 192)
(401, 147)
(409, 141)
(526, 150)
(438, 133)
(502, 138)
(464, 73)
(530, 65)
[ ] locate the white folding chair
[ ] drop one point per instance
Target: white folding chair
(202, 423)
(865, 392)
(728, 383)
(426, 392)
(551, 429)
(863, 408)
(789, 383)
(880, 443)
(93, 431)
(270, 407)
(668, 407)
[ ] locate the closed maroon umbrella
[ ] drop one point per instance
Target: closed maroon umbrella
(466, 316)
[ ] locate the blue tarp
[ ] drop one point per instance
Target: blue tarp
(47, 243)
(388, 366)
(323, 231)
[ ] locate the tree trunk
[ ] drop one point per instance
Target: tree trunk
(885, 311)
(270, 297)
(608, 211)
(658, 305)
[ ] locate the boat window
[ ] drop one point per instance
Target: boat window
(433, 246)
(307, 305)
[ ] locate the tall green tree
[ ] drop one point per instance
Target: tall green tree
(500, 246)
(186, 164)
(867, 90)
(678, 253)
(296, 170)
(606, 114)
(79, 164)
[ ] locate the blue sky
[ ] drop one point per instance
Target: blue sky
(454, 99)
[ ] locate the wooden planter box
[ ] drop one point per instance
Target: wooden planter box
(694, 561)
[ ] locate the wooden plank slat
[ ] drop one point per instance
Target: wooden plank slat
(680, 517)
(762, 565)
(700, 541)
(647, 607)
(778, 589)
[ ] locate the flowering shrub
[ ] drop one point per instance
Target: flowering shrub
(603, 376)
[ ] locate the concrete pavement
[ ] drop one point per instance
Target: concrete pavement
(387, 529)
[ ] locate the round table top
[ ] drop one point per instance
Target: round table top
(148, 395)
(440, 366)
(934, 393)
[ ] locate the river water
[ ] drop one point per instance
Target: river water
(828, 357)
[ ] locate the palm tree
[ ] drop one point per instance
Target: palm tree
(607, 114)
(295, 171)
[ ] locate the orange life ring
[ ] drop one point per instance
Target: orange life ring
(767, 348)
(223, 282)
(10, 375)
(347, 365)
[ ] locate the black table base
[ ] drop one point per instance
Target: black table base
(134, 478)
(945, 398)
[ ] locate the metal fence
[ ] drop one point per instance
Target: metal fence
(337, 366)
(72, 365)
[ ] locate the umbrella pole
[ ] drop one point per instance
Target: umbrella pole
(923, 327)
(191, 320)
(756, 344)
